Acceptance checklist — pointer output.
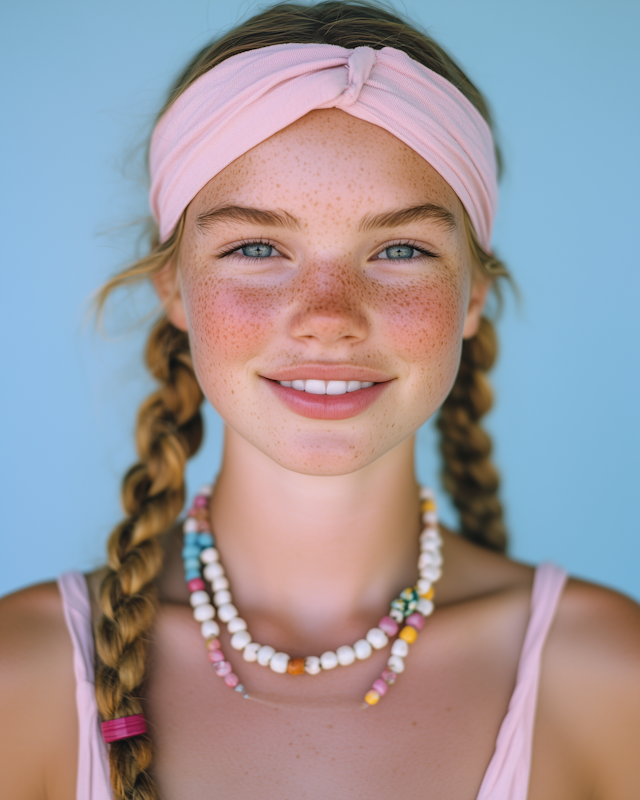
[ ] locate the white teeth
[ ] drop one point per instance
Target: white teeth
(327, 387)
(336, 387)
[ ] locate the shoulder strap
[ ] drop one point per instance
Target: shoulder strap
(507, 777)
(93, 762)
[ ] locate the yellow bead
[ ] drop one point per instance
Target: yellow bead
(429, 594)
(428, 505)
(409, 634)
(371, 697)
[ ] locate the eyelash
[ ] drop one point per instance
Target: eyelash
(245, 243)
(237, 247)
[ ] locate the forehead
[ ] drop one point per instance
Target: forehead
(328, 155)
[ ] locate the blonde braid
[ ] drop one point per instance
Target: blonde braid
(169, 431)
(469, 475)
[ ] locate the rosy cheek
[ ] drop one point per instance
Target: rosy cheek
(424, 321)
(227, 323)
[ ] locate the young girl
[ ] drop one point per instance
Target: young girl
(323, 181)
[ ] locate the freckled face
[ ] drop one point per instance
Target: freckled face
(326, 289)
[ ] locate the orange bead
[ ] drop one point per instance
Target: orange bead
(371, 697)
(409, 634)
(429, 594)
(295, 666)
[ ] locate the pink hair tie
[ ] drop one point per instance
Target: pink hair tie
(123, 727)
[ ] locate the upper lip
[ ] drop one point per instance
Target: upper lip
(326, 372)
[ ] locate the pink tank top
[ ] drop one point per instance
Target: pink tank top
(506, 778)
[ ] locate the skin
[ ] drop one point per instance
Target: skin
(317, 523)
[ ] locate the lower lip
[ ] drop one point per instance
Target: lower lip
(328, 406)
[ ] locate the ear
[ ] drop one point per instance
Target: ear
(479, 290)
(167, 288)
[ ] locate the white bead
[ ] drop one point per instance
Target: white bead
(423, 586)
(250, 652)
(430, 539)
(222, 597)
(205, 611)
(396, 664)
(328, 660)
(400, 648)
(213, 571)
(227, 612)
(397, 615)
(190, 525)
(346, 655)
(236, 624)
(426, 493)
(431, 548)
(430, 517)
(425, 607)
(210, 628)
(264, 654)
(278, 662)
(209, 555)
(219, 583)
(431, 573)
(240, 640)
(198, 598)
(377, 638)
(206, 490)
(362, 649)
(425, 559)
(312, 665)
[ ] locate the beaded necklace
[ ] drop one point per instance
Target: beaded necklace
(405, 619)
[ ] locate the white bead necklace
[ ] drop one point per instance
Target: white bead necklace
(409, 609)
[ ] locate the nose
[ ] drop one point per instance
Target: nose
(330, 307)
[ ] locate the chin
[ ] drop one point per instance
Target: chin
(328, 455)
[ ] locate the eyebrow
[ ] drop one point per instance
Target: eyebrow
(393, 219)
(282, 219)
(273, 219)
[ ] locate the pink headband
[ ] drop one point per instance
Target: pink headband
(250, 96)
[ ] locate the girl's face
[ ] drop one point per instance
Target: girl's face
(330, 253)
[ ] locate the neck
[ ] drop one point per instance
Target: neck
(312, 555)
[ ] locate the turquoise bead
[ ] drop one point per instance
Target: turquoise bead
(191, 538)
(191, 551)
(190, 574)
(192, 563)
(205, 540)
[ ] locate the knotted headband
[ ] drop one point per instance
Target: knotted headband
(251, 96)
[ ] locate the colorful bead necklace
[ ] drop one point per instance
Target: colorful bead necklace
(202, 560)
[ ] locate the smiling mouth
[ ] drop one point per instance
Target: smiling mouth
(326, 387)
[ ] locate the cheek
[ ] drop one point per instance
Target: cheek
(228, 323)
(425, 320)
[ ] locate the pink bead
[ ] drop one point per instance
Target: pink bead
(201, 501)
(389, 677)
(416, 621)
(222, 668)
(214, 644)
(231, 680)
(216, 656)
(388, 625)
(380, 686)
(195, 585)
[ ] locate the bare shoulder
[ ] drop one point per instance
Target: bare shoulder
(590, 686)
(38, 735)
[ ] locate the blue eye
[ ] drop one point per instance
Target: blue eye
(398, 251)
(257, 250)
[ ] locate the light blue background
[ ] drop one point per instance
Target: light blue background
(81, 82)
